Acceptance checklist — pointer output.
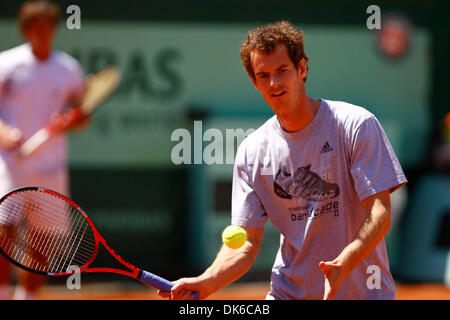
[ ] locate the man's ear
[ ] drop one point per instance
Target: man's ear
(25, 32)
(254, 82)
(302, 69)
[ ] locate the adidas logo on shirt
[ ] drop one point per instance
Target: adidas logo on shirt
(326, 148)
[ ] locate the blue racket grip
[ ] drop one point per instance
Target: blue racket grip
(157, 282)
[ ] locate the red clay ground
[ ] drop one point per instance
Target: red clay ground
(252, 291)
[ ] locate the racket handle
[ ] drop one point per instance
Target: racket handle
(155, 281)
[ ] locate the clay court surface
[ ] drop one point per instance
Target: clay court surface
(244, 291)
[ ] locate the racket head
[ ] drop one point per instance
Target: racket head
(98, 87)
(44, 232)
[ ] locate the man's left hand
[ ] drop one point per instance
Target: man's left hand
(334, 274)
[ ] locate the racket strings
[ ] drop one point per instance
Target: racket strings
(37, 239)
(44, 232)
(34, 237)
(13, 209)
(73, 242)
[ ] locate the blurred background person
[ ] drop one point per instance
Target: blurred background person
(37, 83)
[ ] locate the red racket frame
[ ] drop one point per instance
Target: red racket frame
(134, 273)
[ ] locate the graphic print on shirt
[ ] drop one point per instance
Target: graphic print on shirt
(313, 193)
(305, 184)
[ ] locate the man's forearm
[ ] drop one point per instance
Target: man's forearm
(371, 232)
(229, 266)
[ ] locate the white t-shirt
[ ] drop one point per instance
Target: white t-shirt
(310, 184)
(31, 91)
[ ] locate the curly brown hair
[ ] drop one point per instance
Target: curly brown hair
(32, 10)
(265, 38)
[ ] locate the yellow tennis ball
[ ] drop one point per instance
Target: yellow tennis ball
(234, 236)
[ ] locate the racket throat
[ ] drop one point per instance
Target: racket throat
(107, 260)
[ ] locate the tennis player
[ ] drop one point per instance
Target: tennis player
(37, 83)
(332, 172)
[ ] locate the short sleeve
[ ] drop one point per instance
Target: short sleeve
(246, 207)
(2, 87)
(76, 87)
(3, 77)
(374, 164)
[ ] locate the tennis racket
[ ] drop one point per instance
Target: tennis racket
(98, 87)
(44, 232)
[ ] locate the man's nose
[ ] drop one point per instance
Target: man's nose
(275, 82)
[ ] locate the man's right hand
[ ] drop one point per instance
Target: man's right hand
(184, 287)
(10, 138)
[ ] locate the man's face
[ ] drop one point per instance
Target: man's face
(278, 80)
(40, 33)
